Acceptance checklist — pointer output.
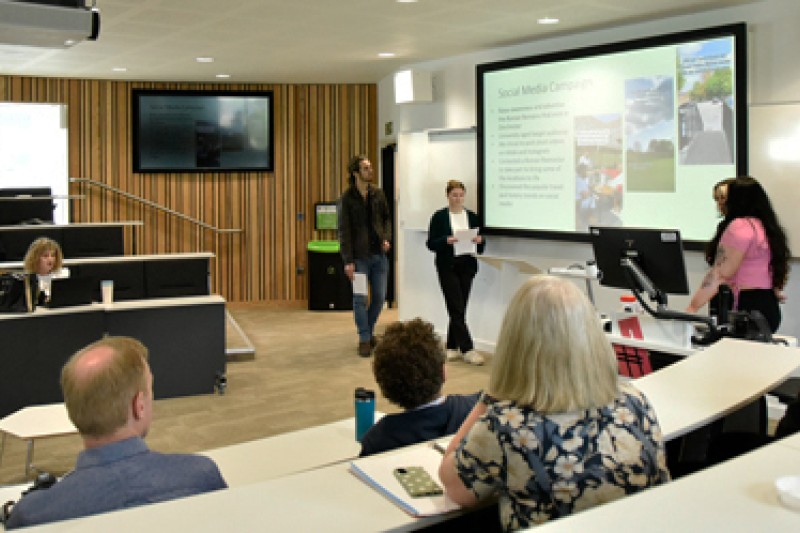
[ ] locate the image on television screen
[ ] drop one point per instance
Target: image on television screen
(197, 131)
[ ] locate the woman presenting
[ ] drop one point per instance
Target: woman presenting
(455, 272)
(750, 253)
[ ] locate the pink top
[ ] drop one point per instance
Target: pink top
(748, 235)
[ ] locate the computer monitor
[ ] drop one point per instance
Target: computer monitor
(656, 253)
(128, 277)
(172, 278)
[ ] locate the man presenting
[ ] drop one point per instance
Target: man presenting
(365, 234)
(108, 391)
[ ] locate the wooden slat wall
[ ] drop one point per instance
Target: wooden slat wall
(317, 129)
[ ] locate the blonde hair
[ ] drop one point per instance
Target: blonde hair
(37, 249)
(454, 184)
(552, 354)
(99, 404)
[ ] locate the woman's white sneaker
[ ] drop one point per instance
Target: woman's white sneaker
(453, 355)
(474, 358)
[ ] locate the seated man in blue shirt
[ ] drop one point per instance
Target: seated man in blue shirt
(108, 391)
(409, 368)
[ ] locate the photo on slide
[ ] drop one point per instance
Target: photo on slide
(650, 134)
(599, 180)
(705, 98)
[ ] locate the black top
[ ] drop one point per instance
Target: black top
(362, 221)
(438, 232)
(418, 425)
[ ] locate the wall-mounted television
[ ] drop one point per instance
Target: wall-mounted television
(202, 131)
(628, 134)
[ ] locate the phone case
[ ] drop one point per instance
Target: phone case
(417, 482)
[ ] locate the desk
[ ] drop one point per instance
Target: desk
(288, 453)
(738, 495)
(36, 422)
(329, 499)
(714, 382)
(143, 276)
(185, 336)
(77, 240)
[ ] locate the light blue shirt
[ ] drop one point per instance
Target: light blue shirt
(117, 476)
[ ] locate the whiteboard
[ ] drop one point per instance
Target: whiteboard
(775, 162)
(33, 150)
(426, 161)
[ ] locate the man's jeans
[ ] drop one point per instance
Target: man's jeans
(376, 268)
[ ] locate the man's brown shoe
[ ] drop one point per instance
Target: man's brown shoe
(364, 349)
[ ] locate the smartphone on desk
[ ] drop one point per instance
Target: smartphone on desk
(417, 482)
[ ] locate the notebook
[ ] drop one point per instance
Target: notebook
(377, 472)
(66, 292)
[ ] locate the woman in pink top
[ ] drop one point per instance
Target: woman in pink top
(750, 253)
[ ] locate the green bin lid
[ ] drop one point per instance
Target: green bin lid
(331, 247)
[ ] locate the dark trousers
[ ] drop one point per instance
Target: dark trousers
(456, 282)
(763, 300)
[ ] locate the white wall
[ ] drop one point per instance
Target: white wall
(774, 78)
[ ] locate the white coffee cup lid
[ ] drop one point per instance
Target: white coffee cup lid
(789, 491)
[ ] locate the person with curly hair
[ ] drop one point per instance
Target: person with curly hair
(409, 366)
(45, 259)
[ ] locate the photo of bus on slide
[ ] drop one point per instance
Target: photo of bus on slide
(705, 98)
(650, 134)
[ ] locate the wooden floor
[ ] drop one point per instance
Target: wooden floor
(303, 374)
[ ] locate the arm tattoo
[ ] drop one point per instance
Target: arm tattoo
(707, 280)
(721, 256)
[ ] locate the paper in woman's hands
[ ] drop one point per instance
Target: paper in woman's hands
(464, 244)
(359, 283)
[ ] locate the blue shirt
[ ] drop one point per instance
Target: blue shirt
(117, 476)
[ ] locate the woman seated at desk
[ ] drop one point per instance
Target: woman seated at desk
(558, 432)
(45, 259)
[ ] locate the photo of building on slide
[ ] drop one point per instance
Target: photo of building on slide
(650, 134)
(705, 97)
(599, 180)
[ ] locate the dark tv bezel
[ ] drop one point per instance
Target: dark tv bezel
(737, 30)
(137, 94)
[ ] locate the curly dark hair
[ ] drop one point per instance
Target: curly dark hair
(408, 363)
(747, 198)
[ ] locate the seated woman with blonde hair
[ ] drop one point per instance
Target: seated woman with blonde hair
(558, 432)
(45, 259)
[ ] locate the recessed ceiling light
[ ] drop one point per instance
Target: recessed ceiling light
(386, 54)
(119, 69)
(547, 20)
(406, 1)
(223, 75)
(204, 59)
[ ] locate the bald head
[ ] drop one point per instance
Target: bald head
(101, 384)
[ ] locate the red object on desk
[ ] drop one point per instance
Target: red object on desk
(632, 362)
(630, 327)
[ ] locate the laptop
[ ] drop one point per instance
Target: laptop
(66, 292)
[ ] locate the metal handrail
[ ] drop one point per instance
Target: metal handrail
(154, 205)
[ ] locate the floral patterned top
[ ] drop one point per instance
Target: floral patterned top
(547, 466)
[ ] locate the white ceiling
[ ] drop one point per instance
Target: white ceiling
(313, 41)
